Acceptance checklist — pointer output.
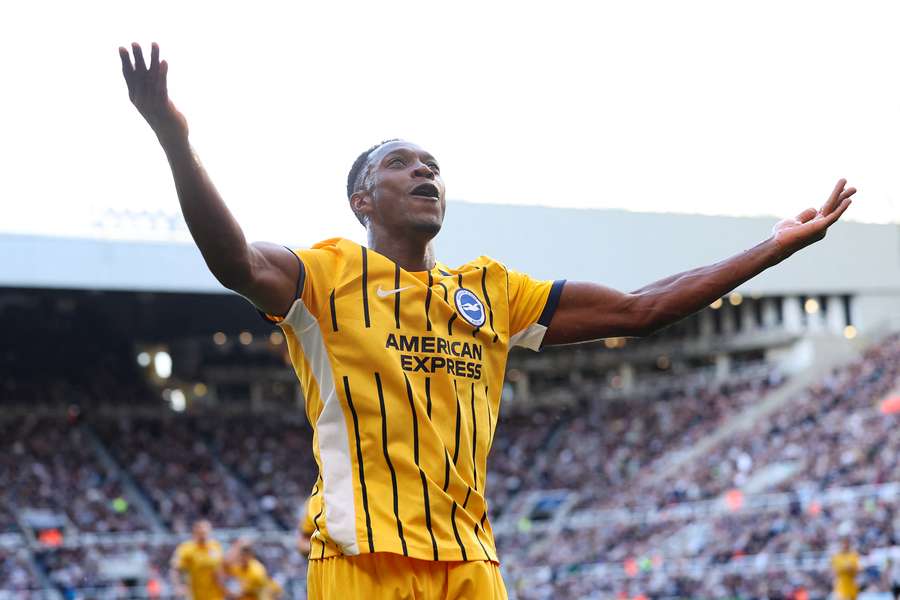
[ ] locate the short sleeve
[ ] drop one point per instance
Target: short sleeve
(532, 303)
(181, 559)
(318, 273)
(257, 579)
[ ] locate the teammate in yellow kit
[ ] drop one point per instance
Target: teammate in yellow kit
(200, 560)
(401, 357)
(845, 565)
(251, 575)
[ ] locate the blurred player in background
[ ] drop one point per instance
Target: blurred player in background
(402, 358)
(200, 561)
(253, 582)
(845, 565)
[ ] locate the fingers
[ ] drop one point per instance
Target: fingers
(835, 198)
(127, 69)
(848, 192)
(807, 215)
(161, 86)
(139, 64)
(140, 78)
(841, 209)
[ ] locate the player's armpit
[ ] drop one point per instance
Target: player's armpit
(276, 276)
(589, 311)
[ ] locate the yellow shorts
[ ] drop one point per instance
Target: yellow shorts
(385, 576)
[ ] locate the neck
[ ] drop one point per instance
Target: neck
(411, 252)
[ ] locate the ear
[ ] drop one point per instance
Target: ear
(361, 205)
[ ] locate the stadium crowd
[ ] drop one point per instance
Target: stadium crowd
(263, 453)
(17, 579)
(832, 436)
(244, 472)
(50, 464)
(179, 473)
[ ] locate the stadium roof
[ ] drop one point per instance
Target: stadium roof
(621, 249)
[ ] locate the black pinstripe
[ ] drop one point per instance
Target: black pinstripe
(483, 549)
(412, 408)
(314, 492)
(428, 396)
(487, 300)
(397, 295)
(427, 305)
(334, 326)
(359, 461)
(365, 285)
(450, 324)
(446, 469)
(446, 293)
(387, 458)
(474, 440)
(456, 532)
(316, 523)
(487, 398)
(458, 423)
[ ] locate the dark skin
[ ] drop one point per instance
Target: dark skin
(401, 225)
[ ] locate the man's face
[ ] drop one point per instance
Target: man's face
(202, 530)
(402, 190)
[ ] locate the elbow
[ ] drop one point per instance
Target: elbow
(646, 317)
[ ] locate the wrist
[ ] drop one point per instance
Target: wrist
(773, 251)
(172, 140)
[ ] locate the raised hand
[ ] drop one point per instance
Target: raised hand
(148, 92)
(811, 225)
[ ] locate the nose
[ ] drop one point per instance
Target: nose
(423, 170)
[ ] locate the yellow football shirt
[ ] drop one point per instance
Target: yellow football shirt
(253, 579)
(402, 374)
(201, 563)
(845, 566)
(307, 527)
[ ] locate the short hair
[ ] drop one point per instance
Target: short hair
(359, 165)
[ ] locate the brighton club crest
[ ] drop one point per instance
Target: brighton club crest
(469, 306)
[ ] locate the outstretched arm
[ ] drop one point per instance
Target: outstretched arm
(589, 311)
(264, 273)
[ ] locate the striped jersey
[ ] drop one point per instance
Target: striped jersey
(402, 374)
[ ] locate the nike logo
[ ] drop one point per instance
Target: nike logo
(385, 293)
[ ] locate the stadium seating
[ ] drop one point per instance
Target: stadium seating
(127, 486)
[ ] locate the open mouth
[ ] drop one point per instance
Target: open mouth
(428, 190)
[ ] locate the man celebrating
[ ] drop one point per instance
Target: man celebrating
(401, 358)
(200, 559)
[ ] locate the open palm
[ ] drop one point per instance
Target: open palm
(811, 225)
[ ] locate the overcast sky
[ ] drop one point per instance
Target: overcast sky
(712, 107)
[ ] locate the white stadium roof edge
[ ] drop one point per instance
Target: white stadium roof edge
(622, 249)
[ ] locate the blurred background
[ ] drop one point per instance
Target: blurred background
(733, 455)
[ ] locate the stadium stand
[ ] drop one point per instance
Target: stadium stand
(179, 473)
(97, 487)
(48, 465)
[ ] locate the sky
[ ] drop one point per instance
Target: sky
(712, 107)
